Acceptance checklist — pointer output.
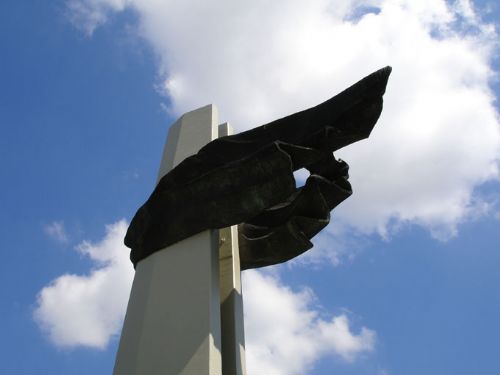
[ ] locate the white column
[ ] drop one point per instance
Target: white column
(233, 337)
(172, 324)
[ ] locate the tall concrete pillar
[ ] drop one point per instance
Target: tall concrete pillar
(173, 320)
(232, 326)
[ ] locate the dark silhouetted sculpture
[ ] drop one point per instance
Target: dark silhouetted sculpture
(247, 179)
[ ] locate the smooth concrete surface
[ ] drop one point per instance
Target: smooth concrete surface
(232, 324)
(187, 135)
(172, 324)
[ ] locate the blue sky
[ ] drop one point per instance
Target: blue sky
(404, 281)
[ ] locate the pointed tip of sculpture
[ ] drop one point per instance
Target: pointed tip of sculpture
(385, 73)
(382, 76)
(387, 70)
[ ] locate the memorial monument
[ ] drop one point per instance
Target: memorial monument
(224, 203)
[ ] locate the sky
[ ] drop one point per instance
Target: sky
(405, 278)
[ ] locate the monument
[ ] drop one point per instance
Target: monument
(228, 202)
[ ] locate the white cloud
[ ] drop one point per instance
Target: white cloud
(438, 137)
(56, 231)
(88, 310)
(89, 14)
(285, 332)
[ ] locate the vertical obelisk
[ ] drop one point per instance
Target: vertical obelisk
(173, 320)
(232, 327)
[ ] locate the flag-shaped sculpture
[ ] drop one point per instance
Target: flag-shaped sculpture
(247, 179)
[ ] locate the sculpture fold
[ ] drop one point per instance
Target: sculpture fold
(247, 179)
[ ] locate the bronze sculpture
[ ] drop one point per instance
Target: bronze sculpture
(247, 179)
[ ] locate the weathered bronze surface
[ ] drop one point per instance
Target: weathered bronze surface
(247, 179)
